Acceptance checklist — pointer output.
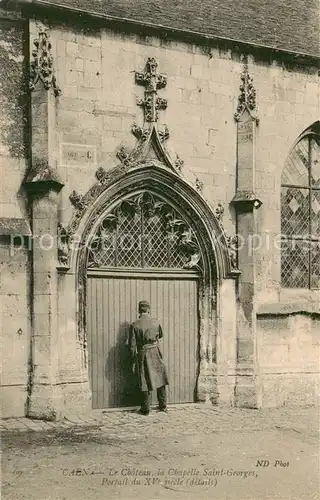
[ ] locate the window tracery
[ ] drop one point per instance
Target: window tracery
(300, 215)
(144, 232)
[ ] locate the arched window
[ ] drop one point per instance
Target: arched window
(143, 231)
(300, 213)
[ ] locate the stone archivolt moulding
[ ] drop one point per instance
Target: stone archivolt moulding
(41, 64)
(149, 139)
(247, 96)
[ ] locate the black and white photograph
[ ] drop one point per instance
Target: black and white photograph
(160, 249)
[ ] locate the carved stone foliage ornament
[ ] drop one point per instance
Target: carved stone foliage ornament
(144, 231)
(179, 163)
(152, 82)
(41, 64)
(219, 211)
(76, 200)
(232, 242)
(64, 240)
(199, 185)
(247, 96)
(138, 132)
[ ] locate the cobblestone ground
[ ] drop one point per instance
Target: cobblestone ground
(195, 452)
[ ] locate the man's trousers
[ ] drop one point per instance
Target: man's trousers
(146, 396)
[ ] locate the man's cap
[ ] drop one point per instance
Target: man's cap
(144, 303)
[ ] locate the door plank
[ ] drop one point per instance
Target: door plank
(112, 306)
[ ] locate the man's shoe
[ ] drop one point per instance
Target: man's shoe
(165, 409)
(143, 412)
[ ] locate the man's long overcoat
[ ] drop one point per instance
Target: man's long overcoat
(143, 342)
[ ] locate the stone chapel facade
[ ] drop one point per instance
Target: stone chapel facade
(167, 156)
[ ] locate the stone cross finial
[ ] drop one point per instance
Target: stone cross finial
(152, 82)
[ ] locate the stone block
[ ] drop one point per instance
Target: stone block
(201, 165)
(225, 389)
(247, 393)
(43, 346)
(196, 71)
(91, 67)
(92, 80)
(14, 277)
(245, 350)
(89, 53)
(15, 332)
(70, 91)
(13, 305)
(69, 119)
(54, 402)
(72, 49)
(315, 331)
(274, 356)
(76, 400)
(190, 96)
(44, 282)
(298, 389)
(44, 402)
(300, 326)
(61, 49)
(67, 34)
(92, 40)
(74, 77)
(75, 105)
(273, 331)
(13, 401)
(88, 94)
(112, 123)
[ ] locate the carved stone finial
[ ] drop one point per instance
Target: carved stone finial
(219, 211)
(247, 96)
(64, 239)
(152, 83)
(232, 242)
(123, 155)
(41, 65)
(101, 174)
(164, 134)
(179, 163)
(138, 132)
(76, 200)
(199, 185)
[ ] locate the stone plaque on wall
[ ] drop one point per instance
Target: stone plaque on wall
(77, 154)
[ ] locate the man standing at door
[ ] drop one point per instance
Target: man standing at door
(144, 337)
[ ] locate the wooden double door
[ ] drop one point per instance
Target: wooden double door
(112, 306)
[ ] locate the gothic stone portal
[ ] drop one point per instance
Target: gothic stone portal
(142, 249)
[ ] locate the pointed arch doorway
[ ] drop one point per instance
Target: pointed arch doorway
(142, 248)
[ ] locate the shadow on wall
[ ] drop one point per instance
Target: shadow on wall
(122, 382)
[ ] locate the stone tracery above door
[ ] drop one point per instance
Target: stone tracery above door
(143, 231)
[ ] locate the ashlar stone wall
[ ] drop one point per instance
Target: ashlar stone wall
(14, 256)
